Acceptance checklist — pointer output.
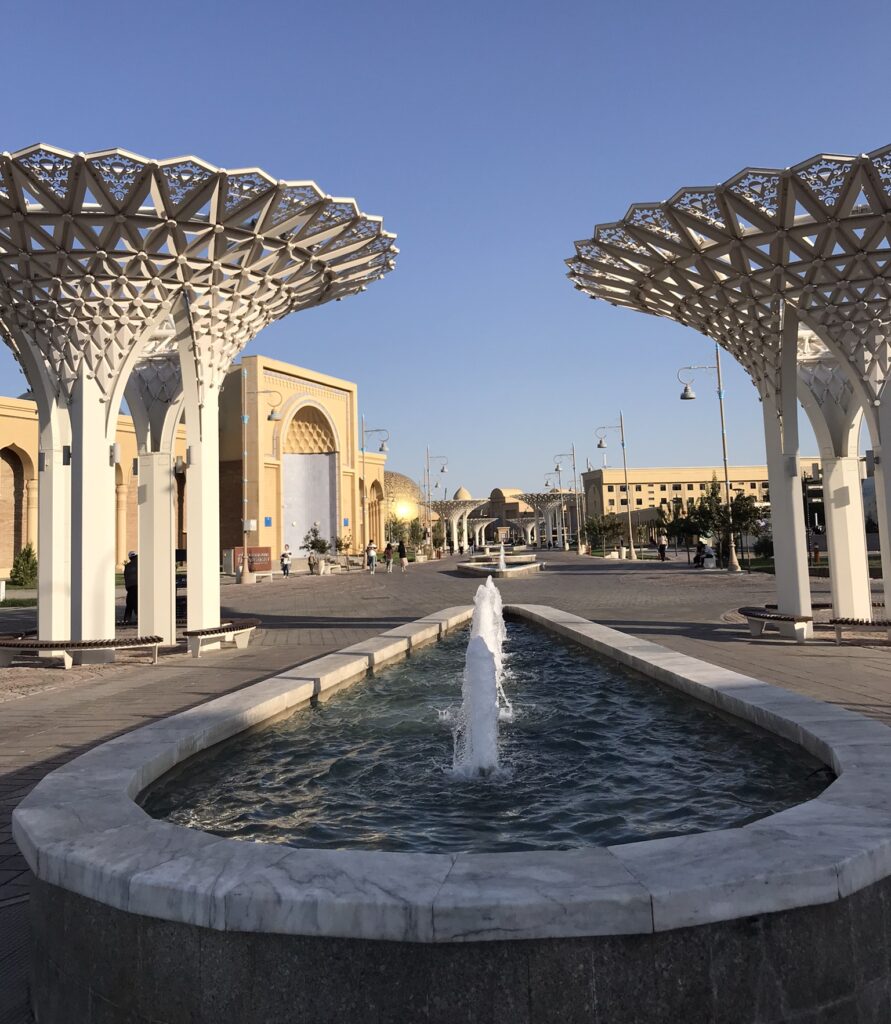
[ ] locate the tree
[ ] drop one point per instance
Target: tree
(396, 529)
(603, 530)
(314, 541)
(415, 533)
(438, 534)
(24, 568)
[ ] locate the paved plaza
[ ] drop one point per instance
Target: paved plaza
(305, 617)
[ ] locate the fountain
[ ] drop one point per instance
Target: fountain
(484, 701)
(485, 565)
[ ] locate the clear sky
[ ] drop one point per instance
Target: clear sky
(490, 135)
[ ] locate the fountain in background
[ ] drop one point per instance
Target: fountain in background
(484, 701)
(502, 564)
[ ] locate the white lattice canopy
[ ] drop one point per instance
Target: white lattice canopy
(94, 248)
(722, 258)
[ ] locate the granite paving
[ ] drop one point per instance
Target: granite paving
(60, 715)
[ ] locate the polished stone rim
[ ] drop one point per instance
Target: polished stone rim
(81, 829)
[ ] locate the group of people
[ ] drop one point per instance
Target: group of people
(388, 555)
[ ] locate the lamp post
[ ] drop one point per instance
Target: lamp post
(575, 486)
(444, 468)
(549, 482)
(600, 432)
(688, 395)
(382, 448)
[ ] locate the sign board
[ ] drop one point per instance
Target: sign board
(267, 521)
(346, 522)
(259, 559)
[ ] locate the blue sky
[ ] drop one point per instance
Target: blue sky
(490, 136)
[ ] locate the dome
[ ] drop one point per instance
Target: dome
(462, 494)
(401, 486)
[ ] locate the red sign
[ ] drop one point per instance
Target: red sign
(259, 559)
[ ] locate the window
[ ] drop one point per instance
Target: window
(675, 487)
(612, 501)
(663, 501)
(639, 501)
(702, 487)
(622, 488)
(624, 501)
(754, 487)
(690, 486)
(610, 488)
(637, 487)
(663, 487)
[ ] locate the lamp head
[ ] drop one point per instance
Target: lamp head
(688, 394)
(383, 447)
(274, 415)
(601, 443)
(443, 469)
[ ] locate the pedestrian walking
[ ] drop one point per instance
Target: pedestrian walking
(371, 556)
(131, 582)
(388, 557)
(662, 541)
(403, 556)
(285, 561)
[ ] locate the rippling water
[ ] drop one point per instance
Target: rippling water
(596, 754)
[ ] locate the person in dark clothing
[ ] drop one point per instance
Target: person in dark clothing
(403, 556)
(131, 582)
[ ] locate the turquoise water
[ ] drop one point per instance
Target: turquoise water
(596, 755)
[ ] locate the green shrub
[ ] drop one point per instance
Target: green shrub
(24, 568)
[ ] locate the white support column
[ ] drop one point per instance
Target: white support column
(846, 538)
(120, 525)
(464, 519)
(53, 528)
(157, 543)
(558, 516)
(92, 519)
(883, 497)
(203, 513)
(31, 506)
(786, 503)
(454, 525)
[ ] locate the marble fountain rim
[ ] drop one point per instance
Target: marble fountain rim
(81, 829)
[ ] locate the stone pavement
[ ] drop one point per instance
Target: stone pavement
(305, 617)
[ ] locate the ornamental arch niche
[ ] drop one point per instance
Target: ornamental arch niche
(310, 474)
(13, 521)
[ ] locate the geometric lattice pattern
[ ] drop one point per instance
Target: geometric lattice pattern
(93, 245)
(310, 433)
(721, 259)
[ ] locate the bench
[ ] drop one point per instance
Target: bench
(865, 624)
(796, 627)
(65, 649)
(237, 631)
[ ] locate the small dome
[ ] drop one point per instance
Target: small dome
(462, 494)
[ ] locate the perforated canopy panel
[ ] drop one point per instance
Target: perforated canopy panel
(92, 247)
(722, 258)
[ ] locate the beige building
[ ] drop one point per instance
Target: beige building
(19, 461)
(653, 487)
(304, 466)
(304, 460)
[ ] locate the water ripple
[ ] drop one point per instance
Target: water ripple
(595, 755)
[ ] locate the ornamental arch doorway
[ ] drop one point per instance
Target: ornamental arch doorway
(310, 472)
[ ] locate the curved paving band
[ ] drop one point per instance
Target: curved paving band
(789, 271)
(123, 277)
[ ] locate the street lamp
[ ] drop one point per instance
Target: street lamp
(444, 468)
(688, 395)
(575, 486)
(600, 433)
(246, 575)
(382, 448)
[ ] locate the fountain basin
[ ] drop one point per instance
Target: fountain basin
(514, 567)
(153, 921)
